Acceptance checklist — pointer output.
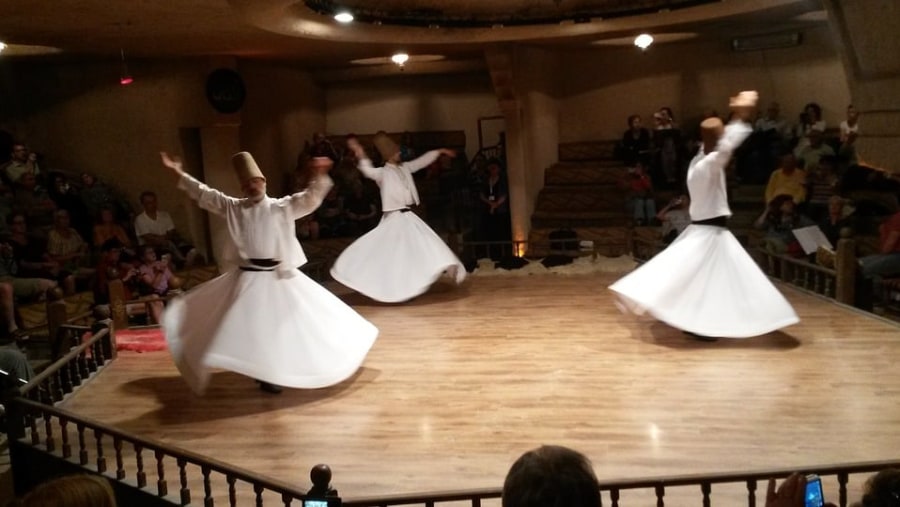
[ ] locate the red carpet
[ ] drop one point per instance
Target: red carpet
(140, 340)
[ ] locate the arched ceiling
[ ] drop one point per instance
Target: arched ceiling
(291, 30)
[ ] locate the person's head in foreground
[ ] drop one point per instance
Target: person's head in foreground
(551, 476)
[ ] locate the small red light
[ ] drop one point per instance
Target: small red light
(126, 80)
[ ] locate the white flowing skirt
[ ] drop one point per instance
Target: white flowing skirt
(287, 331)
(706, 283)
(396, 261)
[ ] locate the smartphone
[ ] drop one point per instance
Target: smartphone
(331, 501)
(814, 496)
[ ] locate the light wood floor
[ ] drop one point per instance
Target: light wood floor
(462, 381)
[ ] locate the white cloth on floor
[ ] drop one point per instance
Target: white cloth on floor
(396, 261)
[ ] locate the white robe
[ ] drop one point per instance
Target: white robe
(276, 326)
(402, 257)
(705, 282)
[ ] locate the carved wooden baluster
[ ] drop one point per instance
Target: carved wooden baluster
(207, 488)
(99, 354)
(660, 494)
(232, 494)
(49, 442)
(101, 459)
(64, 434)
(258, 489)
(842, 488)
(74, 373)
(66, 379)
(82, 447)
(476, 502)
(32, 425)
(614, 496)
(54, 389)
(751, 493)
(286, 499)
(182, 476)
(820, 283)
(706, 489)
(120, 466)
(83, 366)
(141, 475)
(162, 489)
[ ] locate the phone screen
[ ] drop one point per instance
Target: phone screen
(315, 503)
(814, 496)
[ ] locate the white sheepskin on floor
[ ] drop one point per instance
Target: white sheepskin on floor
(580, 266)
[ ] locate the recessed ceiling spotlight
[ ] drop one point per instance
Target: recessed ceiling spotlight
(2, 47)
(643, 41)
(400, 58)
(343, 17)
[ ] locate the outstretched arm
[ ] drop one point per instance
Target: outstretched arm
(362, 160)
(305, 202)
(427, 159)
(207, 198)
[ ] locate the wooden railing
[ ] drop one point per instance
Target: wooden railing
(837, 283)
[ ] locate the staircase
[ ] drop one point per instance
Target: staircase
(583, 192)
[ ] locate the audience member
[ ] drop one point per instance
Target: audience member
(30, 255)
(779, 221)
(835, 220)
(70, 491)
(155, 276)
(773, 124)
(850, 125)
(360, 210)
(675, 218)
(642, 201)
(66, 197)
(495, 219)
(155, 227)
(66, 247)
(112, 267)
(407, 147)
(885, 263)
(551, 476)
(787, 180)
(882, 489)
(7, 201)
(15, 369)
(635, 143)
(330, 215)
(667, 140)
(322, 147)
(8, 309)
(22, 161)
(810, 119)
(107, 229)
(810, 155)
(822, 184)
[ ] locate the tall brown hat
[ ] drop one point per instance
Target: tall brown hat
(385, 145)
(245, 167)
(712, 127)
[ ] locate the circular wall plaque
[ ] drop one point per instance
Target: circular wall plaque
(225, 91)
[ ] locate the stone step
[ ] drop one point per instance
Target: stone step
(580, 199)
(585, 173)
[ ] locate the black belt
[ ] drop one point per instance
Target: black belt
(260, 265)
(721, 221)
(401, 210)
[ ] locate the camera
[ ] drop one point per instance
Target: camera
(814, 496)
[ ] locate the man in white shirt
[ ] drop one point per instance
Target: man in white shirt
(155, 228)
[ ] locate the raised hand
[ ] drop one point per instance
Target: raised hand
(791, 493)
(448, 152)
(173, 163)
(358, 151)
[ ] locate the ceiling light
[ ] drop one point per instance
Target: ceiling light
(400, 58)
(643, 41)
(343, 17)
(2, 47)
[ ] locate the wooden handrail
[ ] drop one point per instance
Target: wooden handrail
(63, 361)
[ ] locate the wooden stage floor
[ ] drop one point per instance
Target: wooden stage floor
(463, 380)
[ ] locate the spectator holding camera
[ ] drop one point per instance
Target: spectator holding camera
(675, 217)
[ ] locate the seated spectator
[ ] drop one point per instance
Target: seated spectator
(822, 184)
(155, 227)
(787, 180)
(886, 263)
(810, 119)
(779, 220)
(635, 143)
(96, 195)
(155, 276)
(30, 254)
(850, 125)
(810, 155)
(641, 196)
(835, 220)
(7, 201)
(407, 147)
(66, 247)
(22, 161)
(322, 147)
(107, 229)
(675, 218)
(667, 141)
(70, 491)
(361, 213)
(773, 124)
(23, 288)
(112, 267)
(551, 476)
(36, 204)
(15, 369)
